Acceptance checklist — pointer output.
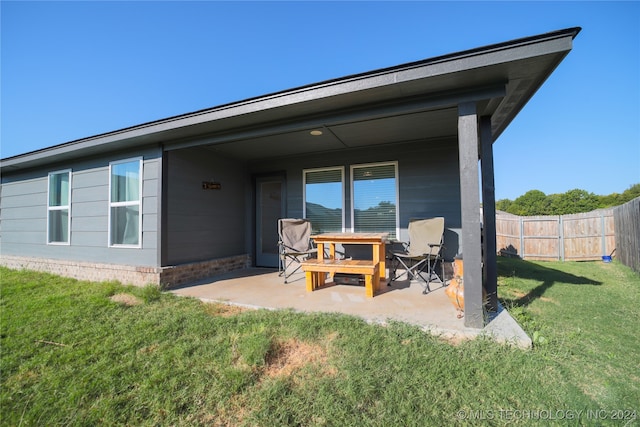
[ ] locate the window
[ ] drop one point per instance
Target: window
(375, 198)
(59, 207)
(125, 204)
(323, 199)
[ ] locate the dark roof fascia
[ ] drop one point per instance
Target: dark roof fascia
(277, 99)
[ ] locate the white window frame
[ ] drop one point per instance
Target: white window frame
(128, 203)
(342, 188)
(59, 208)
(397, 201)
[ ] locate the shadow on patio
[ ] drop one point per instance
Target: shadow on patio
(403, 301)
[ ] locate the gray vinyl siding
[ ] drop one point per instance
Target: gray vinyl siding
(428, 177)
(23, 215)
(204, 224)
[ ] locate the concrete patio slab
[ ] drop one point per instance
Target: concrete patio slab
(403, 301)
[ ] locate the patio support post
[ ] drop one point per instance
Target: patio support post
(490, 270)
(470, 210)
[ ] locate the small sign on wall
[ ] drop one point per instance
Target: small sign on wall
(209, 185)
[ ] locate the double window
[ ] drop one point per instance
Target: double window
(59, 207)
(374, 198)
(125, 203)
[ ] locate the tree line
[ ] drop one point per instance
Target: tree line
(535, 202)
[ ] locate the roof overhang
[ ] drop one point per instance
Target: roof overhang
(404, 103)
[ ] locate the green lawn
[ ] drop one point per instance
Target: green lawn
(81, 353)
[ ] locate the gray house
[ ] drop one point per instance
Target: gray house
(182, 198)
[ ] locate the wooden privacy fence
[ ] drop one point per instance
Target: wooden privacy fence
(576, 237)
(627, 225)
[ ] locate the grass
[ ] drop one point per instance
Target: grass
(81, 353)
(585, 315)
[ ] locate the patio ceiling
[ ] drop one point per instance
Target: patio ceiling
(338, 136)
(399, 104)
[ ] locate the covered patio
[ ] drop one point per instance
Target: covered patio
(403, 301)
(432, 123)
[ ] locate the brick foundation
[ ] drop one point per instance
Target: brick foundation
(165, 277)
(188, 273)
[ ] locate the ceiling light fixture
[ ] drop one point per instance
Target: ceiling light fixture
(316, 132)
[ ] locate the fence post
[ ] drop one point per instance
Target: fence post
(561, 242)
(603, 241)
(522, 237)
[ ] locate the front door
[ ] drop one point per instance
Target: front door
(270, 206)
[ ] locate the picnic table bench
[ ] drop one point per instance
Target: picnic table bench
(316, 269)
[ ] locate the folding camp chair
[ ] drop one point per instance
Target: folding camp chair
(294, 244)
(422, 253)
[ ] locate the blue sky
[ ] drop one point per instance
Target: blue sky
(71, 70)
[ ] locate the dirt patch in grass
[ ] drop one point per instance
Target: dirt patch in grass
(232, 414)
(290, 356)
(22, 378)
(284, 360)
(224, 310)
(528, 297)
(454, 340)
(149, 349)
(126, 299)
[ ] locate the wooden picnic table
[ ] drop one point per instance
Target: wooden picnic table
(376, 240)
